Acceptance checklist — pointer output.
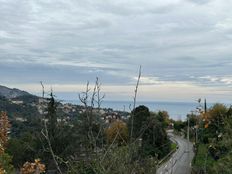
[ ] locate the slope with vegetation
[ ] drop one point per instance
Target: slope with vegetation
(86, 143)
(211, 131)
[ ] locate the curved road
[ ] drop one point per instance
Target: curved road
(180, 161)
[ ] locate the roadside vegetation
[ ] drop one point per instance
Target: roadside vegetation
(211, 132)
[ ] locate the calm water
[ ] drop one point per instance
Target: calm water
(176, 110)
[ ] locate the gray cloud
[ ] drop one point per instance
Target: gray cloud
(173, 40)
(200, 1)
(58, 74)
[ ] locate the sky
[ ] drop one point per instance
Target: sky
(183, 46)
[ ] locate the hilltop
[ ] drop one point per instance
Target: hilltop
(12, 93)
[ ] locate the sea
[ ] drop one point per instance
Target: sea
(176, 110)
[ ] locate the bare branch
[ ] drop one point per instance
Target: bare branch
(134, 104)
(42, 89)
(110, 146)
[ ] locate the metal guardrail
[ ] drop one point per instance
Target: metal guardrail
(169, 154)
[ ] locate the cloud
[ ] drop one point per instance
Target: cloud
(225, 26)
(149, 80)
(200, 1)
(147, 92)
(210, 78)
(175, 41)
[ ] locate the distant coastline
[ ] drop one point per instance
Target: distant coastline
(176, 110)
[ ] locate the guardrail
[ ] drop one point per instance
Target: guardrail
(169, 154)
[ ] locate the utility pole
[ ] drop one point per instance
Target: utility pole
(172, 166)
(188, 143)
(196, 129)
(196, 134)
(205, 106)
(188, 132)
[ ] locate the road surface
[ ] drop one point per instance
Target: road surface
(180, 161)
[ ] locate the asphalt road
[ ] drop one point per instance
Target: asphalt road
(180, 161)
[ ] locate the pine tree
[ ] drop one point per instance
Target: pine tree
(51, 116)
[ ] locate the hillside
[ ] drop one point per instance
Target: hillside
(18, 103)
(18, 110)
(11, 93)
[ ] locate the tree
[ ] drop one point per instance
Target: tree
(164, 118)
(154, 139)
(179, 125)
(52, 117)
(117, 133)
(150, 128)
(213, 121)
(193, 120)
(27, 147)
(223, 165)
(141, 115)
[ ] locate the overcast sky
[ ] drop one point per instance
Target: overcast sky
(184, 47)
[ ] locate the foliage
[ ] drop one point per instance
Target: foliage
(19, 128)
(118, 160)
(223, 165)
(14, 110)
(33, 168)
(214, 153)
(150, 128)
(179, 125)
(173, 146)
(140, 115)
(29, 144)
(217, 114)
(52, 117)
(117, 133)
(28, 98)
(5, 163)
(202, 155)
(163, 117)
(5, 159)
(154, 138)
(26, 147)
(4, 128)
(193, 120)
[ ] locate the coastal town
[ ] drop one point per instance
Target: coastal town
(70, 111)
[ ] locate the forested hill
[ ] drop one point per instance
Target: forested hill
(11, 93)
(18, 103)
(14, 110)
